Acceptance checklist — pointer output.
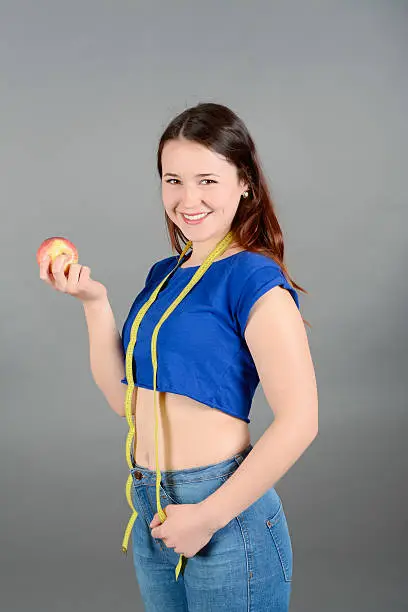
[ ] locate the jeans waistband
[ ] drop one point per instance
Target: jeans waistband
(212, 470)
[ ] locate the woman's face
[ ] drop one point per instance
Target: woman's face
(197, 180)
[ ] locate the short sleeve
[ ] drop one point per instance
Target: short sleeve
(258, 282)
(148, 280)
(150, 274)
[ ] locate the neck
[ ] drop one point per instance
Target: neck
(201, 250)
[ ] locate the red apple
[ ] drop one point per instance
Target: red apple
(57, 246)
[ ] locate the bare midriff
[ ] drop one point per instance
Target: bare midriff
(190, 434)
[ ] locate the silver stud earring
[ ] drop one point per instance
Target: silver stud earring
(245, 194)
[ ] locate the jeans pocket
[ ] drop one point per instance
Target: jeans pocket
(278, 528)
(166, 494)
(191, 492)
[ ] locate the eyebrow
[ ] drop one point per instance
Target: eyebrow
(205, 174)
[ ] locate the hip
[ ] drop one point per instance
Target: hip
(252, 554)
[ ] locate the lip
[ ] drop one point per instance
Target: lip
(195, 221)
(208, 212)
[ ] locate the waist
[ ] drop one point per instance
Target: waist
(209, 471)
(190, 434)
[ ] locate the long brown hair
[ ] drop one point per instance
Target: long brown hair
(255, 225)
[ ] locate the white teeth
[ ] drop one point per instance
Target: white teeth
(194, 217)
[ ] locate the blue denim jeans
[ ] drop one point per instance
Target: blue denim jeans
(245, 567)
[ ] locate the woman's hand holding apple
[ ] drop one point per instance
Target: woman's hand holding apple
(59, 267)
(79, 283)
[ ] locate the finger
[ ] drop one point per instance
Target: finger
(74, 274)
(58, 272)
(154, 520)
(84, 275)
(158, 534)
(45, 271)
(56, 264)
(83, 278)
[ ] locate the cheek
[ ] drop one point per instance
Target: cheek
(223, 198)
(217, 197)
(169, 196)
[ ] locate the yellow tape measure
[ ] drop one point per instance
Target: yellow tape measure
(131, 436)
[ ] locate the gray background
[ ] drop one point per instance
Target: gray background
(86, 90)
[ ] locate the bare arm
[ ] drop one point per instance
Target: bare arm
(105, 352)
(106, 355)
(277, 339)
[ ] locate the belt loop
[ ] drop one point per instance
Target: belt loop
(239, 457)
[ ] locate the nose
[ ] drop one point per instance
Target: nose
(190, 196)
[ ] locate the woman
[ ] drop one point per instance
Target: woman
(210, 323)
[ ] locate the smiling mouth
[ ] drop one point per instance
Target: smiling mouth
(195, 218)
(202, 212)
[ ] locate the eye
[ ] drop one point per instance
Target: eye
(174, 179)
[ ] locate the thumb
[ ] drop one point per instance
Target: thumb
(155, 521)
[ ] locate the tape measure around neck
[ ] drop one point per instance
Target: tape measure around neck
(220, 248)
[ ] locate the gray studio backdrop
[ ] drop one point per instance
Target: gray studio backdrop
(85, 90)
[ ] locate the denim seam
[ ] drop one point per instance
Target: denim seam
(193, 480)
(282, 561)
(222, 475)
(277, 517)
(244, 539)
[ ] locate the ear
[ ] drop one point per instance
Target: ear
(244, 185)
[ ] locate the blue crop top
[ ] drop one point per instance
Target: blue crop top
(201, 349)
